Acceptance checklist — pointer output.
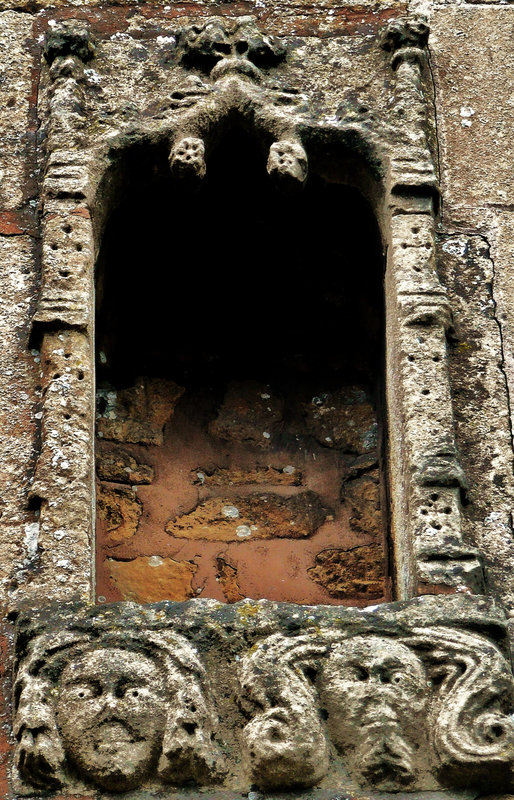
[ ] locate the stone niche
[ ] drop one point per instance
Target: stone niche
(401, 698)
(239, 386)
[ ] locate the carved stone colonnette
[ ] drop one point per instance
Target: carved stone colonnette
(224, 74)
(402, 696)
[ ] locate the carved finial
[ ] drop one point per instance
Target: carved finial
(219, 45)
(70, 37)
(405, 38)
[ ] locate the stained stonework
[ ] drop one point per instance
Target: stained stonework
(203, 499)
(126, 696)
(256, 318)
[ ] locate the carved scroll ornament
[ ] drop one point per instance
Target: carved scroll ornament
(396, 710)
(401, 697)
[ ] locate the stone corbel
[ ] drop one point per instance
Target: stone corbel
(429, 480)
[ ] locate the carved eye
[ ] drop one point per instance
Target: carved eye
(84, 692)
(355, 672)
(131, 692)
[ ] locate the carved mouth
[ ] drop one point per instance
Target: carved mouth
(235, 65)
(112, 733)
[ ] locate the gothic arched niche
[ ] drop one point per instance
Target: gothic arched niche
(239, 386)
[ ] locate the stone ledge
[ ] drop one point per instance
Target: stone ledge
(265, 697)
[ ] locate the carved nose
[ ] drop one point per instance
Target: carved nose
(109, 701)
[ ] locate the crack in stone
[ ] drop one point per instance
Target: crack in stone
(501, 363)
(500, 333)
(436, 123)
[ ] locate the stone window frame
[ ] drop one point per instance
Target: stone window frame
(426, 481)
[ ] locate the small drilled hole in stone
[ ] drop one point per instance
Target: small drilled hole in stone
(53, 246)
(80, 376)
(410, 358)
(425, 392)
(67, 355)
(436, 526)
(436, 358)
(64, 273)
(67, 416)
(434, 497)
(447, 510)
(415, 230)
(78, 247)
(404, 245)
(57, 375)
(66, 228)
(424, 511)
(417, 269)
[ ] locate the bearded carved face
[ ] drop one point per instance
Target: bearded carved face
(374, 692)
(111, 715)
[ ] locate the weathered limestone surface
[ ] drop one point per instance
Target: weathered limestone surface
(20, 411)
(472, 53)
(17, 121)
(124, 696)
(472, 56)
(256, 697)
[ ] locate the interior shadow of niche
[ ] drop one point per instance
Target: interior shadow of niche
(238, 283)
(238, 280)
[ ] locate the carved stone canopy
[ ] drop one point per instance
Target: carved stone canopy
(405, 696)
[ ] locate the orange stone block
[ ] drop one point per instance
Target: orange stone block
(149, 579)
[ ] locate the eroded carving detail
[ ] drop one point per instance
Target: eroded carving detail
(287, 163)
(187, 159)
(218, 46)
(234, 56)
(397, 710)
(110, 707)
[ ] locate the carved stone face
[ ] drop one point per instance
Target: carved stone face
(111, 715)
(374, 692)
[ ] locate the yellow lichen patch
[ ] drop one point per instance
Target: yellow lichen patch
(149, 579)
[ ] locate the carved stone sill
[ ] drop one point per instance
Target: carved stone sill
(404, 697)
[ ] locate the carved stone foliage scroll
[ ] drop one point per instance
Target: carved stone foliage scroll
(402, 697)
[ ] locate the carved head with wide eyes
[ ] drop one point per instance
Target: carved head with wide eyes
(374, 691)
(113, 710)
(111, 716)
